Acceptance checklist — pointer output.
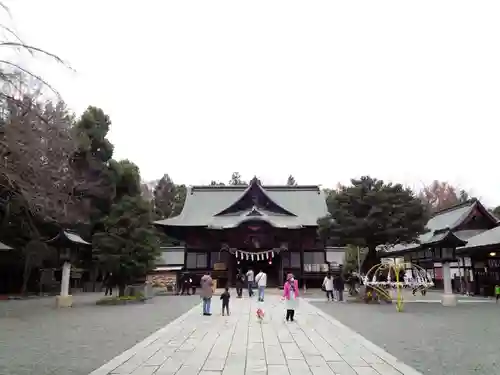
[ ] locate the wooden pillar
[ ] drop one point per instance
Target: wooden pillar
(281, 281)
(302, 268)
(230, 265)
(449, 299)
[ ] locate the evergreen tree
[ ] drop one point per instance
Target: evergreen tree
(370, 213)
(236, 179)
(129, 244)
(92, 163)
(168, 197)
(291, 181)
(217, 183)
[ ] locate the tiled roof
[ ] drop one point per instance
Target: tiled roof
(489, 237)
(4, 247)
(306, 204)
(450, 218)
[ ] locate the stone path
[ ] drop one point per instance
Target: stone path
(315, 344)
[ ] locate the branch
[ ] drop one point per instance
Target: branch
(11, 32)
(36, 49)
(6, 9)
(32, 75)
(23, 105)
(26, 207)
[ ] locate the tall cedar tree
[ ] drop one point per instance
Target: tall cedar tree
(91, 163)
(127, 244)
(370, 213)
(168, 197)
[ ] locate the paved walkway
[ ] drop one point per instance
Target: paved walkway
(199, 345)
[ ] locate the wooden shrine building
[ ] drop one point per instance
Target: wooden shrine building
(473, 232)
(269, 228)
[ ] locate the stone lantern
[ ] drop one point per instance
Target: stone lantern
(443, 244)
(68, 244)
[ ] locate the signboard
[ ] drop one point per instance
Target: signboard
(334, 266)
(220, 266)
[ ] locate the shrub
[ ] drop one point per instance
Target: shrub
(125, 300)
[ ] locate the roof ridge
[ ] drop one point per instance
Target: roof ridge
(265, 187)
(455, 207)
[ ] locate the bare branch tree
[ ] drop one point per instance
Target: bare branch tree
(36, 159)
(10, 78)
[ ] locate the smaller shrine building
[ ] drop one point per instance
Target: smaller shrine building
(473, 233)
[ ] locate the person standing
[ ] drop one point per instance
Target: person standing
(225, 296)
(290, 295)
(109, 283)
(250, 281)
(261, 280)
(185, 284)
(240, 281)
(328, 285)
(206, 294)
(338, 285)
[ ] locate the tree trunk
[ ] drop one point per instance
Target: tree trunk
(121, 290)
(26, 273)
(370, 260)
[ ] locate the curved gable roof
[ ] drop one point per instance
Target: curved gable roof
(203, 203)
(448, 219)
(254, 185)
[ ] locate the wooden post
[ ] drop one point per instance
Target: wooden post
(449, 299)
(280, 273)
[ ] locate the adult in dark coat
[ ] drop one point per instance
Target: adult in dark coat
(240, 283)
(185, 284)
(338, 284)
(109, 283)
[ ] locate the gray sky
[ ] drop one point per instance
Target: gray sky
(325, 90)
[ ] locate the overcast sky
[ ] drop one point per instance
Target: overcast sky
(325, 90)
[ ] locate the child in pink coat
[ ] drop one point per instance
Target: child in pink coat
(290, 295)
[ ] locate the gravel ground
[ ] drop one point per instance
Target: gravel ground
(431, 338)
(37, 339)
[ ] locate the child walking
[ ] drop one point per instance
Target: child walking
(290, 295)
(225, 296)
(497, 292)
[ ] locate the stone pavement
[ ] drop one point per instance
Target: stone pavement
(38, 339)
(208, 345)
(421, 335)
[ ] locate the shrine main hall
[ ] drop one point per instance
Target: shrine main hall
(269, 228)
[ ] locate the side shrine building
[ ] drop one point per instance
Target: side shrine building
(269, 228)
(473, 235)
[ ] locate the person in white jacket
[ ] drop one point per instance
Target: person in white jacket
(328, 286)
(261, 280)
